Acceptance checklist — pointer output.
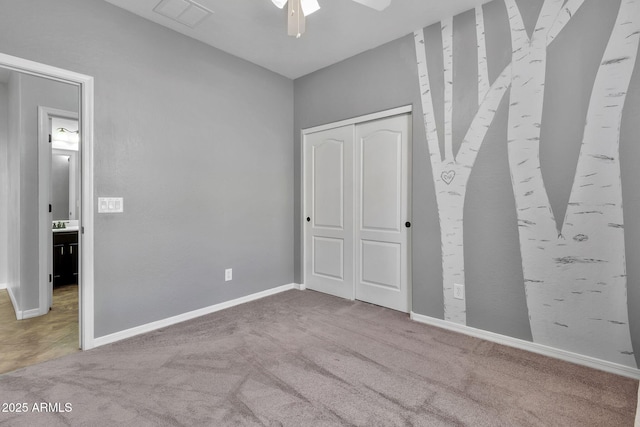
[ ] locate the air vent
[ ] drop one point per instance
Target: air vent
(185, 12)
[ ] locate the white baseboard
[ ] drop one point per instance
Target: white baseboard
(128, 333)
(300, 286)
(14, 302)
(21, 314)
(556, 353)
(3, 286)
(28, 314)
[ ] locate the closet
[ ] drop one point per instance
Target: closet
(356, 210)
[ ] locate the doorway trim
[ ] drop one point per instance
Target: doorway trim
(407, 109)
(85, 86)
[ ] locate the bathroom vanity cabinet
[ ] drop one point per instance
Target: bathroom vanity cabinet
(65, 258)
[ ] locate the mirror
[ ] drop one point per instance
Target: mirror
(60, 187)
(64, 185)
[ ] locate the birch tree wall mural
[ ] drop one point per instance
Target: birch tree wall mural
(451, 173)
(575, 269)
(575, 278)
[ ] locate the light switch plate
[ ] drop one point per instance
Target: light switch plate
(110, 205)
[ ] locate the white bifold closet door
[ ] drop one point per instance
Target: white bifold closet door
(382, 217)
(329, 211)
(357, 211)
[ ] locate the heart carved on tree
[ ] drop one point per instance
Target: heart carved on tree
(448, 176)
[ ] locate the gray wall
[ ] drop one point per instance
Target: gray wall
(4, 176)
(198, 143)
(386, 77)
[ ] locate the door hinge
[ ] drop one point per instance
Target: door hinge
(49, 208)
(50, 278)
(50, 138)
(82, 229)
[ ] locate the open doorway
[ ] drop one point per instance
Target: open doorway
(40, 331)
(59, 183)
(27, 222)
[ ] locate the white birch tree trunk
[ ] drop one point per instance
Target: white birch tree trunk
(447, 50)
(451, 174)
(483, 68)
(575, 278)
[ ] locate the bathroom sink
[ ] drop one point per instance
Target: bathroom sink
(62, 230)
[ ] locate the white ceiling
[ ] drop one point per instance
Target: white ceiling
(256, 30)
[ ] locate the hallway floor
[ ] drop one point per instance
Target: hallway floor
(30, 341)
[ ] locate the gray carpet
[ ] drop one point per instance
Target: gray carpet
(308, 359)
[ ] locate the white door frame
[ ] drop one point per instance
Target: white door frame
(353, 121)
(45, 239)
(85, 85)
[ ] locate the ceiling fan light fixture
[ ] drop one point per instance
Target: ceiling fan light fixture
(299, 9)
(309, 6)
(279, 3)
(378, 5)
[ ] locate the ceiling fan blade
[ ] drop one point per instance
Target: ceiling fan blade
(375, 4)
(279, 3)
(309, 6)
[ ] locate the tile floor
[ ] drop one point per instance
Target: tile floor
(30, 341)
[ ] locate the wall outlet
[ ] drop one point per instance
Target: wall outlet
(458, 291)
(228, 274)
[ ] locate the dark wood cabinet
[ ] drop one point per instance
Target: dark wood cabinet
(65, 258)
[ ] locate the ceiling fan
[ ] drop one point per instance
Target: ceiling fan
(298, 9)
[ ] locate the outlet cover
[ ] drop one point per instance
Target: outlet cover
(228, 274)
(458, 291)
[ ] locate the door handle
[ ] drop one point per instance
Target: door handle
(308, 219)
(407, 224)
